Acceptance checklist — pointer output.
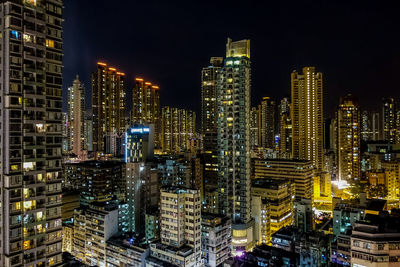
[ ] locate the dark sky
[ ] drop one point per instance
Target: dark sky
(354, 43)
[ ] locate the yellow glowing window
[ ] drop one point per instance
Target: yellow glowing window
(32, 2)
(14, 167)
(26, 193)
(27, 244)
(40, 177)
(49, 43)
(20, 100)
(18, 205)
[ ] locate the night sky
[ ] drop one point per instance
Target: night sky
(356, 45)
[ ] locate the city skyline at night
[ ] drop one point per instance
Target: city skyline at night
(188, 134)
(353, 45)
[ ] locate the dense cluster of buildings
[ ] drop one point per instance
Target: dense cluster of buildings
(276, 184)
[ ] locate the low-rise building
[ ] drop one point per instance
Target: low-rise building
(125, 251)
(375, 242)
(93, 226)
(272, 204)
(180, 219)
(215, 239)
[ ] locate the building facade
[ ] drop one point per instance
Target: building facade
(285, 129)
(96, 180)
(108, 104)
(76, 107)
(266, 118)
(146, 107)
(178, 126)
(389, 119)
(307, 116)
(234, 83)
(299, 172)
(216, 234)
(349, 139)
(31, 132)
(278, 194)
(180, 221)
(209, 113)
(93, 227)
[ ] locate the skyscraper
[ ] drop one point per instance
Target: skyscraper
(266, 116)
(233, 98)
(31, 132)
(108, 104)
(76, 119)
(285, 129)
(307, 116)
(349, 134)
(209, 115)
(254, 129)
(178, 126)
(366, 132)
(376, 127)
(389, 119)
(146, 106)
(142, 190)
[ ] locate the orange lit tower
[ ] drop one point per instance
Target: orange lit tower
(146, 106)
(108, 103)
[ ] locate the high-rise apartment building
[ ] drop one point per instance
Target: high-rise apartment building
(180, 229)
(233, 98)
(178, 127)
(175, 171)
(376, 126)
(209, 113)
(389, 119)
(97, 181)
(349, 135)
(146, 106)
(307, 116)
(108, 104)
(142, 189)
(254, 126)
(266, 117)
(31, 132)
(366, 129)
(76, 119)
(285, 129)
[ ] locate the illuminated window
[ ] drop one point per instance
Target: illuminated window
(15, 35)
(32, 2)
(18, 205)
(14, 167)
(29, 38)
(39, 216)
(26, 193)
(27, 244)
(28, 166)
(29, 205)
(49, 43)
